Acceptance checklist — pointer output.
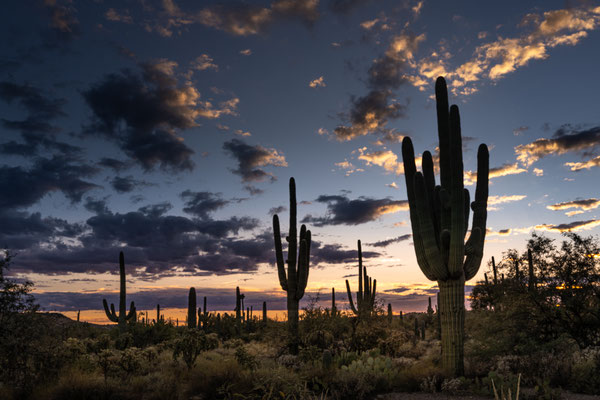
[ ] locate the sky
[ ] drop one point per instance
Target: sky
(169, 130)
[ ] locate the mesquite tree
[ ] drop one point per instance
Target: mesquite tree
(439, 217)
(294, 282)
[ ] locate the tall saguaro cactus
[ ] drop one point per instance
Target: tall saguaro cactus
(239, 305)
(439, 217)
(123, 316)
(365, 297)
(294, 282)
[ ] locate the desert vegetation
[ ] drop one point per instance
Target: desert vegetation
(532, 328)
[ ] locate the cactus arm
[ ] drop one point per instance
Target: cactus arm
(302, 269)
(473, 260)
(373, 293)
(457, 243)
(467, 208)
(428, 174)
(443, 121)
(132, 312)
(279, 253)
(479, 207)
(123, 291)
(408, 157)
(110, 313)
(432, 253)
(361, 271)
(354, 310)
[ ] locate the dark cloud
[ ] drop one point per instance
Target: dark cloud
(114, 164)
(304, 10)
(37, 130)
(277, 210)
(142, 113)
(253, 190)
(345, 7)
(63, 24)
(251, 159)
(96, 206)
(127, 184)
(342, 210)
(335, 254)
(387, 242)
(201, 204)
(571, 226)
(370, 113)
(566, 139)
(23, 187)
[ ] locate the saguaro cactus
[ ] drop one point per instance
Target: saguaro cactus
(191, 318)
(333, 307)
(157, 313)
(365, 297)
(264, 318)
(123, 316)
(294, 283)
(390, 313)
(439, 217)
(239, 305)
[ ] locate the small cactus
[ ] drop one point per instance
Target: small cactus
(264, 318)
(333, 307)
(390, 314)
(365, 297)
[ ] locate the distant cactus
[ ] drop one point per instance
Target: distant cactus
(531, 284)
(327, 359)
(264, 318)
(239, 305)
(296, 279)
(123, 317)
(158, 316)
(429, 308)
(191, 315)
(495, 271)
(390, 314)
(333, 307)
(78, 312)
(439, 218)
(365, 297)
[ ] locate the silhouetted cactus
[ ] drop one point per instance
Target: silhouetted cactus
(158, 316)
(123, 316)
(294, 283)
(264, 318)
(390, 314)
(439, 218)
(333, 307)
(191, 315)
(78, 313)
(365, 297)
(239, 305)
(531, 284)
(495, 271)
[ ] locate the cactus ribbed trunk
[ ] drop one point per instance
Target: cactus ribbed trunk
(452, 320)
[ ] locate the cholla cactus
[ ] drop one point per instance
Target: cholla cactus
(123, 317)
(365, 297)
(439, 217)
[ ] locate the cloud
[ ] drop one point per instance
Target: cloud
(348, 167)
(566, 139)
(345, 7)
(570, 227)
(580, 206)
(386, 159)
(127, 184)
(578, 166)
(503, 170)
(203, 62)
(240, 132)
(334, 253)
(251, 158)
(343, 211)
(519, 131)
(494, 60)
(277, 210)
(387, 242)
(392, 185)
(143, 113)
(114, 164)
(538, 172)
(114, 16)
(23, 187)
(246, 52)
(370, 113)
(501, 232)
(495, 200)
(317, 83)
(201, 204)
(64, 25)
(304, 10)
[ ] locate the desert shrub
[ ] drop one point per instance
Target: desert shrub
(585, 374)
(216, 377)
(190, 343)
(75, 385)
